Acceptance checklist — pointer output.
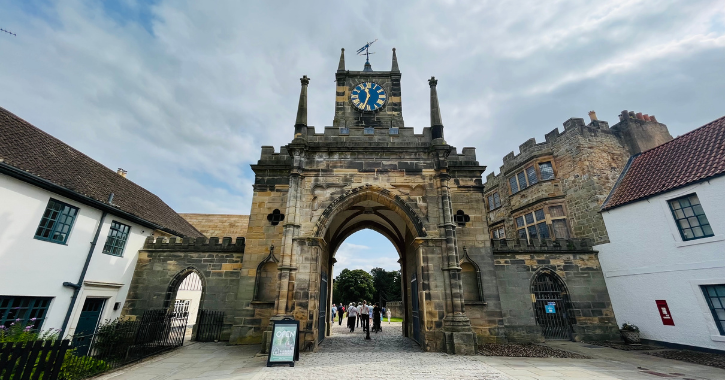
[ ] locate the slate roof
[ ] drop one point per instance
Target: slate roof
(32, 151)
(692, 157)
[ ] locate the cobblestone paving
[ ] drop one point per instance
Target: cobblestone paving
(388, 355)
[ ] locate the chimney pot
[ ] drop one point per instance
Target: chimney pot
(652, 118)
(646, 117)
(593, 115)
(638, 115)
(121, 172)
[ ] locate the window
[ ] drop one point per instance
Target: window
(498, 233)
(116, 241)
(690, 217)
(715, 296)
(546, 170)
(57, 221)
(494, 201)
(534, 224)
(27, 309)
(528, 176)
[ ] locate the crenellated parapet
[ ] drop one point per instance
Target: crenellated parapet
(200, 244)
(541, 245)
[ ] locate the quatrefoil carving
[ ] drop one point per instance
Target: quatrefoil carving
(461, 218)
(275, 217)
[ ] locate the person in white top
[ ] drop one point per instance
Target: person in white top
(365, 316)
(387, 314)
(351, 316)
(359, 313)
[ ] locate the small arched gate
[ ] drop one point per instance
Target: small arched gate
(551, 306)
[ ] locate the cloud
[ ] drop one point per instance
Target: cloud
(182, 94)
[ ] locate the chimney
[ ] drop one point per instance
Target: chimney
(593, 115)
(646, 117)
(121, 172)
(652, 118)
(638, 115)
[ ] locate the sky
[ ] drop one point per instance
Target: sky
(182, 94)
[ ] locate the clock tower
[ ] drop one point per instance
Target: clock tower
(368, 98)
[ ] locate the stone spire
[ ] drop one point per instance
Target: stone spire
(301, 122)
(395, 68)
(341, 65)
(436, 123)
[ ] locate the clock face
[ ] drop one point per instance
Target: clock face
(368, 96)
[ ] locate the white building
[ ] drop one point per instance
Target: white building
(665, 264)
(60, 212)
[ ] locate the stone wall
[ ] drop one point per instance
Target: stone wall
(219, 224)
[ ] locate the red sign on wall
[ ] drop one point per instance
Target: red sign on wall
(665, 313)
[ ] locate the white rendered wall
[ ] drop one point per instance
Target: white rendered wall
(194, 296)
(647, 260)
(37, 268)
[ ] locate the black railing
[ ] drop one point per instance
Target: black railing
(209, 325)
(32, 360)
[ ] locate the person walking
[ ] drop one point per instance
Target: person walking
(388, 313)
(365, 316)
(333, 310)
(351, 314)
(377, 315)
(340, 312)
(359, 313)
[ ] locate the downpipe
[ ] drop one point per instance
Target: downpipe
(77, 286)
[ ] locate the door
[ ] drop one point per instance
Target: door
(87, 323)
(322, 322)
(414, 312)
(550, 306)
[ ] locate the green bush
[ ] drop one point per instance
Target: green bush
(80, 367)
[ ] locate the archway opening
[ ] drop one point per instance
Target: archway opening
(367, 268)
(185, 297)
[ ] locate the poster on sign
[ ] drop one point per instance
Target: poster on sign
(550, 308)
(284, 348)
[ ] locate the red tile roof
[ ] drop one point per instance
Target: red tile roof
(692, 157)
(32, 151)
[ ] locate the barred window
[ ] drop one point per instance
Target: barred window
(24, 310)
(494, 201)
(116, 241)
(690, 217)
(546, 170)
(57, 222)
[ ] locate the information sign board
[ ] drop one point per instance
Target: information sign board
(284, 348)
(550, 308)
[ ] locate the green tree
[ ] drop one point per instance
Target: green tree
(353, 286)
(387, 285)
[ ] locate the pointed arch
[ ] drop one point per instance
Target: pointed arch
(471, 279)
(266, 275)
(178, 278)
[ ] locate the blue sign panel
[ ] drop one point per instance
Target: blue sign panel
(550, 309)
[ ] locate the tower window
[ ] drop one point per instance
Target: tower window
(344, 131)
(369, 131)
(494, 201)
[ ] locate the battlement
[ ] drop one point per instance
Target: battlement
(466, 158)
(542, 245)
(268, 154)
(200, 244)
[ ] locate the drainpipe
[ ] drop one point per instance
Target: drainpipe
(77, 287)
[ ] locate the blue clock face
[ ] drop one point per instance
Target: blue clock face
(368, 96)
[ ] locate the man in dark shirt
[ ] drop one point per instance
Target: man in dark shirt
(340, 312)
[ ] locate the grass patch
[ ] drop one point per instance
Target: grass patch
(392, 319)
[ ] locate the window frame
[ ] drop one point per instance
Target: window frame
(720, 323)
(548, 220)
(494, 229)
(494, 196)
(31, 310)
(677, 220)
(526, 173)
(56, 226)
(113, 245)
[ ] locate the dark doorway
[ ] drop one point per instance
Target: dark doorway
(551, 306)
(87, 324)
(414, 312)
(322, 323)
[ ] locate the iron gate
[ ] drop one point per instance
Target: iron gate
(551, 306)
(209, 325)
(414, 312)
(322, 323)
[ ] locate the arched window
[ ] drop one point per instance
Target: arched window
(265, 284)
(470, 279)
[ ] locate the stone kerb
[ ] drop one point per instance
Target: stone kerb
(542, 245)
(200, 244)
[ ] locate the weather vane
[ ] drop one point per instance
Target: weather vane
(366, 50)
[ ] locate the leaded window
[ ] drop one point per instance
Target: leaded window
(57, 221)
(522, 180)
(116, 241)
(546, 170)
(23, 310)
(532, 226)
(715, 296)
(690, 217)
(531, 175)
(498, 233)
(514, 185)
(494, 201)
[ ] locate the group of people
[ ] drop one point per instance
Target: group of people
(360, 314)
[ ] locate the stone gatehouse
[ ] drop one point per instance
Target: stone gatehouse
(369, 170)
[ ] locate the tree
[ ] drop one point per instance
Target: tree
(387, 285)
(353, 286)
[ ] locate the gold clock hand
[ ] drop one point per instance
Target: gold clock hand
(366, 98)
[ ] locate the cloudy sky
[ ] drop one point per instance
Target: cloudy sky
(183, 93)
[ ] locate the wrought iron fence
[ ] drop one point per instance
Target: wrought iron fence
(32, 360)
(209, 325)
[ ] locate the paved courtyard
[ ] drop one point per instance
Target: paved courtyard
(390, 356)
